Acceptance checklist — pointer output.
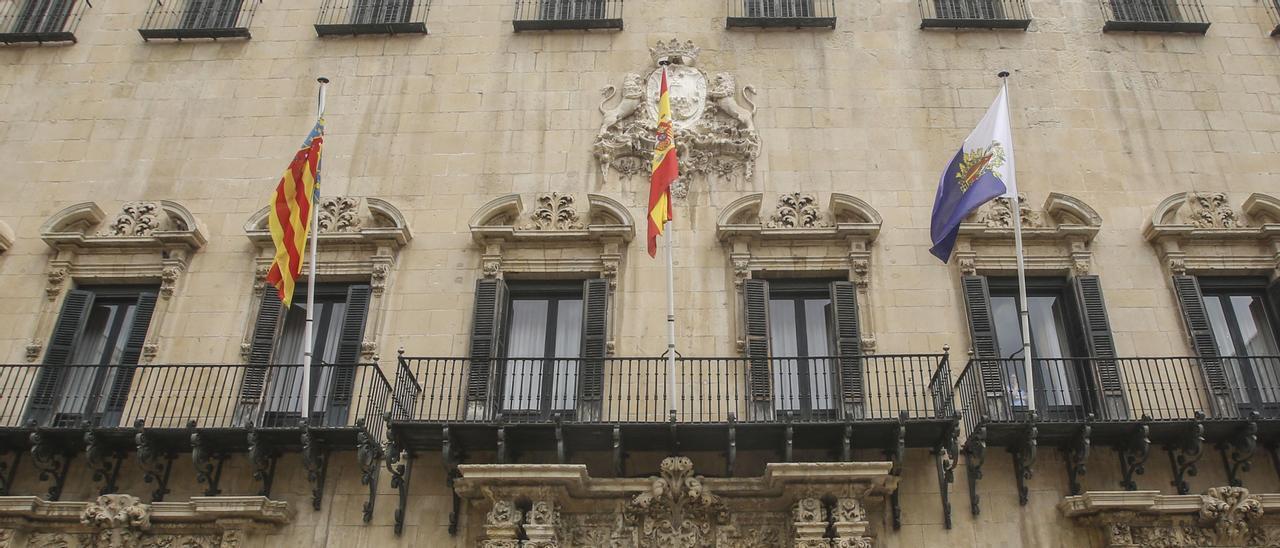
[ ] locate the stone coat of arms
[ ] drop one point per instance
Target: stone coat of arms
(715, 132)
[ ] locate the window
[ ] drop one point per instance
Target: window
(778, 8)
(89, 365)
(567, 10)
(39, 16)
(1143, 10)
(969, 9)
(367, 12)
(1057, 378)
(210, 14)
(1244, 333)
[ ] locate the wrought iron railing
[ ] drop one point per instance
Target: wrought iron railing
(1273, 11)
(567, 14)
(708, 390)
(341, 17)
(1155, 15)
(171, 396)
(781, 13)
(179, 19)
(40, 20)
(974, 14)
(1162, 389)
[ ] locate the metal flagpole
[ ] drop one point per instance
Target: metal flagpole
(307, 343)
(1024, 315)
(672, 396)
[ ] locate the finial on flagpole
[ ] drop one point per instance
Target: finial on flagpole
(1003, 74)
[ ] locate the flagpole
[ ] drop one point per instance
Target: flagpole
(672, 397)
(1024, 314)
(307, 343)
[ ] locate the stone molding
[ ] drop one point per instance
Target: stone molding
(6, 237)
(345, 220)
(505, 226)
(1222, 516)
(1202, 233)
(1056, 238)
(123, 521)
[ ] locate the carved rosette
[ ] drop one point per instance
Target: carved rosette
(676, 511)
(502, 525)
(797, 210)
(120, 520)
(134, 219)
(555, 211)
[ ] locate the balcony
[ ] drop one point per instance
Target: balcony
(1273, 10)
(567, 15)
(185, 19)
(781, 14)
(40, 21)
(1155, 16)
(980, 14)
(1166, 402)
(354, 17)
(208, 411)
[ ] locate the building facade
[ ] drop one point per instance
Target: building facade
(490, 324)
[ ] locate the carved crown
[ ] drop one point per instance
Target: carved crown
(676, 52)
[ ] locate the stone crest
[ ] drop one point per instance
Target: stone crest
(715, 131)
(676, 511)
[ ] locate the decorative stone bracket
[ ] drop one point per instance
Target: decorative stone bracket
(1222, 516)
(123, 521)
(1056, 238)
(1201, 233)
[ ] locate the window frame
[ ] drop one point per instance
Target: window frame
(552, 292)
(1222, 286)
(798, 291)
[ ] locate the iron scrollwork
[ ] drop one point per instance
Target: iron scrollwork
(316, 461)
(1237, 452)
(1185, 453)
(368, 453)
(51, 462)
(157, 463)
(1076, 455)
(945, 458)
(262, 459)
(975, 450)
(103, 462)
(1133, 455)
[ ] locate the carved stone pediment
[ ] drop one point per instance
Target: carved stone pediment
(1056, 237)
(345, 220)
(160, 225)
(1222, 516)
(715, 132)
(1201, 232)
(514, 234)
(798, 216)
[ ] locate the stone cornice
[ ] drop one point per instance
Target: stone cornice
(345, 221)
(142, 226)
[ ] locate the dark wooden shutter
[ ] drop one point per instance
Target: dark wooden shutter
(755, 296)
(1096, 327)
(595, 335)
(487, 342)
(848, 339)
(1273, 294)
(350, 339)
(261, 345)
(1200, 331)
(75, 311)
(982, 336)
(130, 356)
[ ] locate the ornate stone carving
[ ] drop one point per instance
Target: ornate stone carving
(741, 269)
(33, 349)
(369, 351)
(809, 510)
(260, 277)
(378, 278)
(150, 350)
(504, 513)
(1211, 210)
(169, 280)
(998, 213)
(491, 268)
(848, 510)
(119, 520)
(339, 214)
(134, 219)
(1230, 510)
(555, 211)
(56, 277)
(1226, 516)
(797, 210)
(861, 269)
(676, 511)
(715, 133)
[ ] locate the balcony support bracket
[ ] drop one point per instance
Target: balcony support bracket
(673, 439)
(895, 454)
(398, 463)
(731, 449)
(51, 462)
(1133, 455)
(1024, 458)
(1185, 453)
(975, 453)
(316, 461)
(451, 456)
(208, 463)
(619, 452)
(1076, 455)
(788, 441)
(503, 456)
(9, 471)
(368, 453)
(262, 460)
(103, 462)
(562, 456)
(846, 442)
(156, 462)
(945, 457)
(1237, 452)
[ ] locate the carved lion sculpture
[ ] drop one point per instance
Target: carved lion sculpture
(723, 93)
(632, 96)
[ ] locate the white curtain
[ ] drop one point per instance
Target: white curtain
(522, 382)
(784, 344)
(568, 345)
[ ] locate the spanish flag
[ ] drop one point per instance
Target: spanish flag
(289, 213)
(666, 170)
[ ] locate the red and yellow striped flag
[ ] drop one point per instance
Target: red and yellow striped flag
(666, 169)
(289, 213)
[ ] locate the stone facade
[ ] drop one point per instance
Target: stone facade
(475, 152)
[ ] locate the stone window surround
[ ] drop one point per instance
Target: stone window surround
(1222, 516)
(147, 241)
(1056, 238)
(359, 240)
(847, 222)
(1189, 229)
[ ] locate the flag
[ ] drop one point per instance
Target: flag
(666, 169)
(981, 171)
(289, 213)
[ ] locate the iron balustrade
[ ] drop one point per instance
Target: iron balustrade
(567, 14)
(40, 20)
(341, 17)
(974, 14)
(781, 13)
(709, 390)
(170, 396)
(1155, 15)
(179, 19)
(1163, 389)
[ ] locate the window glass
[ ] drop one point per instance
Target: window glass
(527, 339)
(817, 342)
(568, 345)
(1221, 330)
(784, 343)
(800, 343)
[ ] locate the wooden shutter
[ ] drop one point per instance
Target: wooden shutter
(1096, 327)
(350, 339)
(755, 294)
(982, 336)
(1273, 295)
(595, 333)
(487, 342)
(131, 354)
(1200, 331)
(261, 345)
(75, 311)
(848, 339)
